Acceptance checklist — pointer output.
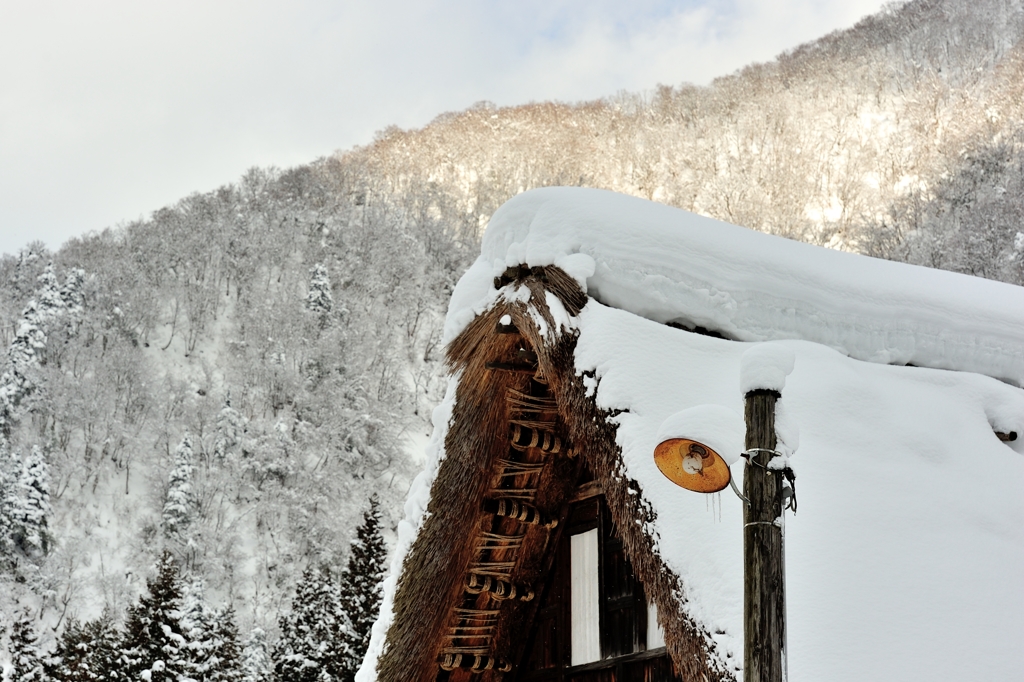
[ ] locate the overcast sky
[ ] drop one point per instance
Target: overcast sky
(112, 109)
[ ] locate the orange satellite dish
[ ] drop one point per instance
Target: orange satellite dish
(692, 465)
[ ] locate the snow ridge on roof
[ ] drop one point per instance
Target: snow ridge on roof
(669, 265)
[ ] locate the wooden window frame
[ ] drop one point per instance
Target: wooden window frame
(624, 665)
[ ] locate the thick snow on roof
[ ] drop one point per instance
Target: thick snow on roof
(905, 558)
(670, 265)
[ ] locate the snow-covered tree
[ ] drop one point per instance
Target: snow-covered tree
(319, 300)
(196, 619)
(31, 510)
(16, 381)
(154, 647)
(230, 429)
(72, 294)
(51, 302)
(225, 659)
(179, 505)
(86, 653)
(256, 663)
(26, 661)
(9, 475)
(314, 644)
(211, 637)
(65, 663)
(362, 583)
(27, 351)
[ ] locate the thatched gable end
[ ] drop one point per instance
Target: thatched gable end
(515, 369)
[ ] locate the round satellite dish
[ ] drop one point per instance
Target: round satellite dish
(692, 465)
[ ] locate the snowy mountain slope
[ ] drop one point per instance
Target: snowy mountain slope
(900, 137)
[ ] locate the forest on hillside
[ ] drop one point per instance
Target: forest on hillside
(285, 329)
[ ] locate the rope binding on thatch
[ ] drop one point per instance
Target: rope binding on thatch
(497, 541)
(474, 663)
(525, 435)
(498, 589)
(523, 402)
(497, 569)
(520, 511)
(510, 468)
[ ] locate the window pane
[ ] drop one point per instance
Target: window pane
(586, 633)
(655, 635)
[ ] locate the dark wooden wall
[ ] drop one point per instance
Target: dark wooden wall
(623, 613)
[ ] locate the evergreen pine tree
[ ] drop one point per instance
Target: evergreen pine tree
(103, 656)
(230, 428)
(314, 637)
(179, 507)
(50, 302)
(15, 381)
(362, 584)
(225, 659)
(27, 269)
(319, 300)
(154, 647)
(196, 619)
(31, 510)
(27, 350)
(26, 663)
(8, 503)
(86, 653)
(65, 664)
(72, 294)
(256, 663)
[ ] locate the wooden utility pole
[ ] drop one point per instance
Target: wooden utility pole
(764, 598)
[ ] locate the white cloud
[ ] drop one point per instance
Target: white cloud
(110, 109)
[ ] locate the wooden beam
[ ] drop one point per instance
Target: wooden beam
(764, 599)
(588, 490)
(512, 367)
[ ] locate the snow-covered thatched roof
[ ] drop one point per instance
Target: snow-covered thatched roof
(673, 266)
(906, 557)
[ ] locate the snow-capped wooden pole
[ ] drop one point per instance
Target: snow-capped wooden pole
(763, 373)
(764, 598)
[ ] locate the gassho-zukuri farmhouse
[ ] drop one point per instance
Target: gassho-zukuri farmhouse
(543, 543)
